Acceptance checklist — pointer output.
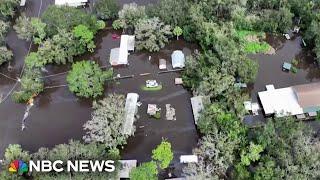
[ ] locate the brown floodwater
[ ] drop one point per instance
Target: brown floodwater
(270, 70)
(58, 115)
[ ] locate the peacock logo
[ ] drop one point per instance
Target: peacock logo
(18, 166)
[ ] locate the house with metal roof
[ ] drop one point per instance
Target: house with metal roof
(119, 56)
(131, 109)
(197, 104)
(297, 100)
(178, 59)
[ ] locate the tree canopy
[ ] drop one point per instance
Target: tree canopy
(106, 9)
(67, 18)
(86, 79)
(163, 154)
(106, 124)
(152, 34)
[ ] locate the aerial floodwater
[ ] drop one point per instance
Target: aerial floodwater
(58, 115)
(270, 69)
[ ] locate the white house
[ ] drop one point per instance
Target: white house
(119, 56)
(294, 100)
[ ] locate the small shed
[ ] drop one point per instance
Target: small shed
(178, 59)
(178, 81)
(270, 87)
(312, 114)
(162, 64)
(197, 106)
(188, 159)
(114, 56)
(22, 3)
(286, 66)
(301, 116)
(126, 167)
(240, 85)
(152, 109)
(131, 108)
(170, 113)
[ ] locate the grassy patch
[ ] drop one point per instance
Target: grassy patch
(145, 88)
(255, 45)
(242, 34)
(157, 115)
(294, 69)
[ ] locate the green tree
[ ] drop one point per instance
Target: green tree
(217, 117)
(28, 28)
(318, 116)
(31, 85)
(252, 154)
(177, 31)
(61, 48)
(146, 171)
(64, 17)
(85, 35)
(266, 170)
(106, 124)
(86, 79)
(3, 30)
(23, 27)
(216, 154)
(163, 154)
(38, 30)
(152, 34)
(118, 24)
(106, 9)
(7, 8)
(215, 84)
(34, 60)
(291, 145)
(131, 13)
(172, 12)
(5, 55)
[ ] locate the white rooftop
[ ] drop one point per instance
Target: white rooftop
(130, 111)
(282, 102)
(188, 159)
(119, 56)
(178, 59)
(197, 107)
(22, 3)
(126, 167)
(72, 3)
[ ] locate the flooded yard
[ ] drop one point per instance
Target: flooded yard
(270, 69)
(58, 115)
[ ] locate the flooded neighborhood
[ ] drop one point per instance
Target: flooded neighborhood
(167, 105)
